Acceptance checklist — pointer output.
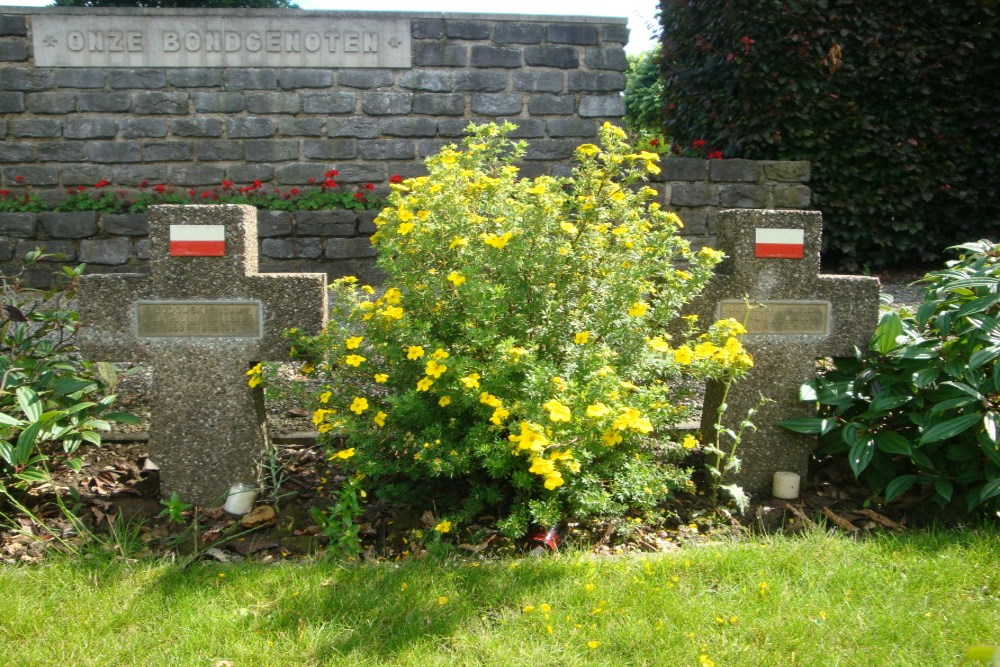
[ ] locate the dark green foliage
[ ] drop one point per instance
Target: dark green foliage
(51, 402)
(893, 101)
(226, 4)
(924, 406)
(644, 93)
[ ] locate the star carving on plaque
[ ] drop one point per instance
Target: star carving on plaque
(50, 40)
(394, 42)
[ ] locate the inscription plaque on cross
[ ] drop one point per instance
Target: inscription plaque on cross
(796, 315)
(201, 319)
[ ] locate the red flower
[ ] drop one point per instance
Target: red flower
(331, 173)
(312, 181)
(654, 142)
(19, 179)
(79, 188)
(4, 193)
(747, 42)
(360, 196)
(329, 183)
(160, 187)
(192, 192)
(294, 191)
(699, 143)
(226, 184)
(143, 184)
(395, 178)
(101, 184)
(257, 184)
(369, 187)
(715, 155)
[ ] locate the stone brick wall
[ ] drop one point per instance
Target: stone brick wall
(557, 78)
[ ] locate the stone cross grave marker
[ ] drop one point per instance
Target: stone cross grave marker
(201, 319)
(796, 316)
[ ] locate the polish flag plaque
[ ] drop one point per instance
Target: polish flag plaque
(781, 243)
(197, 240)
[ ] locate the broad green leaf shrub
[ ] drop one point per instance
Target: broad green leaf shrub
(515, 364)
(924, 406)
(51, 402)
(892, 101)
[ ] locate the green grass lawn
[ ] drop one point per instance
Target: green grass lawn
(821, 599)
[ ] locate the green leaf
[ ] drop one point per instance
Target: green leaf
(944, 488)
(892, 443)
(991, 426)
(65, 386)
(807, 392)
(122, 418)
(925, 376)
(6, 451)
(861, 449)
(885, 403)
(809, 425)
(32, 476)
(964, 388)
(949, 428)
(899, 486)
(980, 357)
(889, 328)
(989, 490)
(951, 404)
(10, 421)
(31, 404)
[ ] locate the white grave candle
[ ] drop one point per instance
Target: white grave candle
(240, 499)
(786, 485)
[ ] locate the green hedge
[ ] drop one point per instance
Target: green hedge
(895, 102)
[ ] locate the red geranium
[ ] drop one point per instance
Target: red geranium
(160, 187)
(699, 143)
(715, 155)
(331, 173)
(101, 183)
(294, 191)
(226, 184)
(395, 178)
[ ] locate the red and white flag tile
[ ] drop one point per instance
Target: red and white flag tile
(781, 243)
(197, 240)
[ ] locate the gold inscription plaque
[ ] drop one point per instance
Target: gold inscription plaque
(174, 319)
(780, 317)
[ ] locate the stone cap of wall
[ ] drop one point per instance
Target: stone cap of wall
(233, 13)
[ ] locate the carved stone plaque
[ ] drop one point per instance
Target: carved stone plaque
(172, 319)
(780, 317)
(219, 41)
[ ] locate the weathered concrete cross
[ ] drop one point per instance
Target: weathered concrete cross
(202, 318)
(796, 316)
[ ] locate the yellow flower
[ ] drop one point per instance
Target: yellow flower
(354, 360)
(489, 399)
(381, 378)
(541, 466)
(517, 352)
(689, 442)
(470, 381)
(557, 411)
(393, 313)
(581, 338)
(593, 644)
(439, 354)
(495, 241)
(405, 228)
(683, 355)
(424, 384)
(307, 368)
(456, 278)
(553, 481)
(457, 242)
(414, 352)
(597, 410)
(434, 369)
(638, 309)
(404, 214)
(325, 397)
(532, 438)
(587, 149)
(392, 295)
(659, 345)
(499, 415)
(343, 454)
(353, 342)
(630, 418)
(379, 418)
(444, 401)
(359, 405)
(528, 608)
(569, 228)
(256, 376)
(442, 600)
(443, 526)
(320, 415)
(544, 608)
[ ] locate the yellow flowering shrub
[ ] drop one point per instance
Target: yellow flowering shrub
(517, 362)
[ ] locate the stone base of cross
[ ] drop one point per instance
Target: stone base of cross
(202, 318)
(796, 315)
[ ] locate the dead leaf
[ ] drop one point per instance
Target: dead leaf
(259, 516)
(879, 518)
